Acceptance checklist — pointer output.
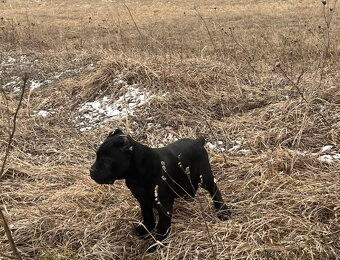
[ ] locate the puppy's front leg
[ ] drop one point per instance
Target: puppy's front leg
(164, 223)
(143, 231)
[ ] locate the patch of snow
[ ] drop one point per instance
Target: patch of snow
(10, 84)
(96, 113)
(326, 158)
(59, 74)
(329, 158)
(216, 147)
(24, 59)
(245, 151)
(171, 138)
(16, 89)
(36, 84)
(151, 125)
(13, 84)
(326, 148)
(219, 146)
(304, 153)
(237, 146)
(43, 113)
(336, 156)
(11, 60)
(234, 148)
(211, 146)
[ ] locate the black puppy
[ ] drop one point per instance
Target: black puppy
(156, 176)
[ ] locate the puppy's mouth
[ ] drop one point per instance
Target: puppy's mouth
(102, 181)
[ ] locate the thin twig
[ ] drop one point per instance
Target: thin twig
(296, 86)
(14, 126)
(206, 27)
(9, 236)
(328, 20)
(133, 20)
(245, 52)
(7, 110)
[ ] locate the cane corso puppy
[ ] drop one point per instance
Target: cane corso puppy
(156, 176)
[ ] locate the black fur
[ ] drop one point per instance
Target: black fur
(156, 176)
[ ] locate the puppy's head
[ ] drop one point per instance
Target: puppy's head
(113, 160)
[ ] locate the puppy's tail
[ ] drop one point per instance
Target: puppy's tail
(201, 140)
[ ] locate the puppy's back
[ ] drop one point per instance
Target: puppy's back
(187, 150)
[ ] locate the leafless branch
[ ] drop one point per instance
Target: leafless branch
(14, 126)
(206, 27)
(9, 236)
(133, 20)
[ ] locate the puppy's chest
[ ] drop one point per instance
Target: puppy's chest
(140, 190)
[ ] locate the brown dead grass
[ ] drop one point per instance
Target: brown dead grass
(238, 84)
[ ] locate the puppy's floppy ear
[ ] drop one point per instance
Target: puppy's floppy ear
(128, 143)
(117, 131)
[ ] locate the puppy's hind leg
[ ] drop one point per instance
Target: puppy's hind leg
(209, 184)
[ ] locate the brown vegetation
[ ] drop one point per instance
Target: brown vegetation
(259, 79)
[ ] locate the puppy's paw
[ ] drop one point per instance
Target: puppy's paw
(156, 246)
(153, 248)
(223, 213)
(142, 232)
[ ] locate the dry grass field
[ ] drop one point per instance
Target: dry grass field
(260, 80)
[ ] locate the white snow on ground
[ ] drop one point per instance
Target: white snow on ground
(57, 75)
(331, 156)
(36, 84)
(10, 84)
(326, 158)
(15, 85)
(11, 60)
(96, 113)
(26, 59)
(220, 146)
(236, 146)
(327, 154)
(326, 148)
(43, 113)
(216, 146)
